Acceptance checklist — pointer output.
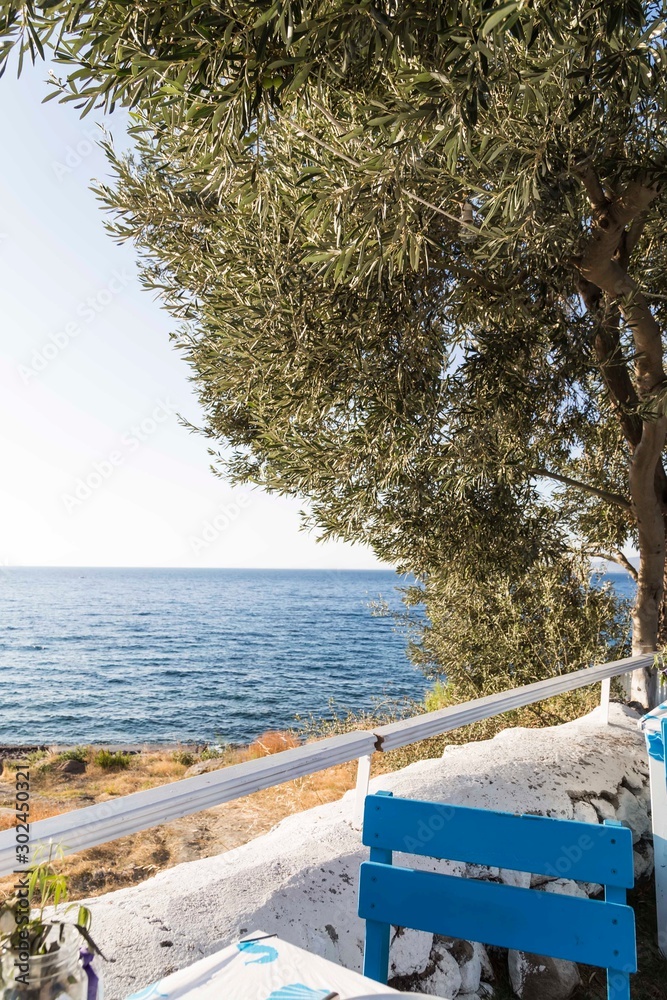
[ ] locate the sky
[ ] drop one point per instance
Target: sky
(97, 470)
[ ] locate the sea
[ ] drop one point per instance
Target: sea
(195, 655)
(192, 655)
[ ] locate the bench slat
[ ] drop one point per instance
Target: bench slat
(568, 927)
(536, 844)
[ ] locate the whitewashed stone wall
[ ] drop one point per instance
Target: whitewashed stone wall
(300, 880)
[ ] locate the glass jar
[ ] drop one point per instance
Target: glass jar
(58, 975)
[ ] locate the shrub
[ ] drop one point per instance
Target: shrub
(554, 711)
(46, 764)
(211, 753)
(273, 741)
(112, 760)
(183, 757)
(491, 635)
(12, 763)
(81, 754)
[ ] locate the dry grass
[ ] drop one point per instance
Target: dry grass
(132, 859)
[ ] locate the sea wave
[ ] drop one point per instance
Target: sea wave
(107, 655)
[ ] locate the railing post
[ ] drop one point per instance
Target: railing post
(605, 695)
(363, 778)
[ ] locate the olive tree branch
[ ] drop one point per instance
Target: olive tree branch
(614, 498)
(618, 557)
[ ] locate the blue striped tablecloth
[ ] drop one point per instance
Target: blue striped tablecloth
(262, 967)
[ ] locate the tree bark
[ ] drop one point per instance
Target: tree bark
(650, 586)
(604, 265)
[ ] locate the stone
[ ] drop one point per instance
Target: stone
(536, 880)
(482, 871)
(643, 858)
(564, 887)
(631, 812)
(584, 812)
(471, 968)
(409, 952)
(471, 957)
(511, 877)
(636, 779)
(603, 808)
(445, 981)
(643, 794)
(538, 977)
(300, 879)
(487, 968)
(203, 766)
(591, 888)
(587, 888)
(71, 767)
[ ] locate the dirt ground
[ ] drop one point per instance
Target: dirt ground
(132, 859)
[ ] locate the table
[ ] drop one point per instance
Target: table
(262, 967)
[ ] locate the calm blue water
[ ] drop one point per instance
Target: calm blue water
(134, 655)
(623, 584)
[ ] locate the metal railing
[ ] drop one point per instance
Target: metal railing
(105, 821)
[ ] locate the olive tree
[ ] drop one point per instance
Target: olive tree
(417, 253)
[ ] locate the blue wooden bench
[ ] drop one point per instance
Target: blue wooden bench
(590, 931)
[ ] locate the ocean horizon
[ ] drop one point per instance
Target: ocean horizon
(141, 655)
(134, 655)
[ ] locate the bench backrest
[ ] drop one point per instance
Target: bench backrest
(591, 931)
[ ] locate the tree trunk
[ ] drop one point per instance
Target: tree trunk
(617, 227)
(647, 612)
(649, 512)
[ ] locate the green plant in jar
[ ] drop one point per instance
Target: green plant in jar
(44, 955)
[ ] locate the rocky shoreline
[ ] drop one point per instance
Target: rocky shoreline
(18, 751)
